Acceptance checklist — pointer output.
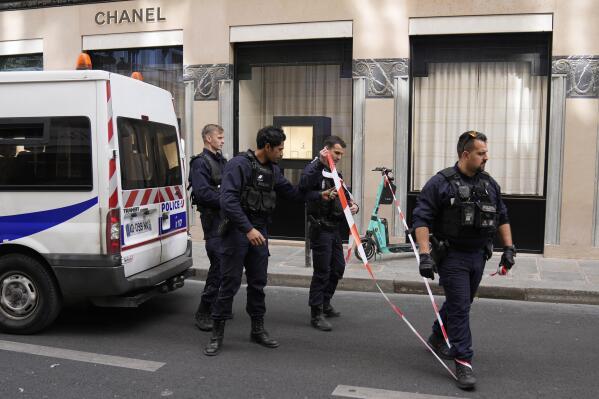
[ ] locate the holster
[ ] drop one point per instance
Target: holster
(439, 249)
(207, 214)
(489, 250)
(224, 226)
(314, 228)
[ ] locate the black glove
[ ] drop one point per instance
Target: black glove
(507, 259)
(427, 266)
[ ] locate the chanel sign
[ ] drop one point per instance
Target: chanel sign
(150, 14)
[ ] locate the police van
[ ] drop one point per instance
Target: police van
(92, 194)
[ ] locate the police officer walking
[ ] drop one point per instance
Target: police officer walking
(205, 178)
(462, 207)
(325, 217)
(250, 184)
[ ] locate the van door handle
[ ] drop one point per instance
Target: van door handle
(164, 215)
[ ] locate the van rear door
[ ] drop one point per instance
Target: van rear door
(140, 195)
(173, 213)
(154, 223)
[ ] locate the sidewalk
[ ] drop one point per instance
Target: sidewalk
(533, 278)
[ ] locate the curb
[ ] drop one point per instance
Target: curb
(552, 295)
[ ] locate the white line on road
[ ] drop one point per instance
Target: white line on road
(348, 391)
(88, 357)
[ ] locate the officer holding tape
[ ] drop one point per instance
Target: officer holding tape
(462, 207)
(205, 177)
(324, 218)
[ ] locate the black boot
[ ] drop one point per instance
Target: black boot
(440, 347)
(216, 341)
(329, 310)
(259, 334)
(203, 321)
(318, 321)
(463, 371)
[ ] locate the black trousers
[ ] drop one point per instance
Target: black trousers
(328, 264)
(213, 278)
(237, 254)
(460, 274)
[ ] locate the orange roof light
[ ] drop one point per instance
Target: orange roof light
(138, 76)
(83, 62)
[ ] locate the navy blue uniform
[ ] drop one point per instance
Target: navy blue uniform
(326, 245)
(460, 272)
(237, 250)
(207, 196)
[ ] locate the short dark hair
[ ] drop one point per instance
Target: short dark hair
(270, 135)
(330, 142)
(209, 128)
(466, 140)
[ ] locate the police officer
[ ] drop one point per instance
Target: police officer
(462, 207)
(205, 178)
(324, 218)
(250, 184)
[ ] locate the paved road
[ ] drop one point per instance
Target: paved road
(523, 350)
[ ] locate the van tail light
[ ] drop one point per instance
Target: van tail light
(113, 232)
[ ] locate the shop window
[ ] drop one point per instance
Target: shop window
(503, 100)
(493, 84)
(45, 153)
(161, 66)
(304, 90)
(22, 62)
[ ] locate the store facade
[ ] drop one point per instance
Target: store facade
(398, 80)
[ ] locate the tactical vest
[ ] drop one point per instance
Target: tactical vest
(258, 197)
(215, 176)
(471, 213)
(326, 211)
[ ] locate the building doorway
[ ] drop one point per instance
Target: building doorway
(281, 83)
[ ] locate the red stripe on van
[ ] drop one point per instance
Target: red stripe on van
(169, 193)
(108, 93)
(111, 167)
(110, 132)
(112, 202)
(146, 197)
(131, 199)
(108, 99)
(178, 192)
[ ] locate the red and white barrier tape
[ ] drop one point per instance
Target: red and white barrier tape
(354, 232)
(428, 287)
(350, 240)
(501, 270)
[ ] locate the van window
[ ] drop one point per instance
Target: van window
(48, 153)
(148, 153)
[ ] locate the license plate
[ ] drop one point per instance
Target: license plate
(138, 227)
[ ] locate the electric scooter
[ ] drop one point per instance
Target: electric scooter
(376, 239)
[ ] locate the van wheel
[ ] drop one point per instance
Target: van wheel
(29, 298)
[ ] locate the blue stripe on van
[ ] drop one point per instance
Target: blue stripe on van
(18, 226)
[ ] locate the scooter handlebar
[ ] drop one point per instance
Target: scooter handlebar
(382, 169)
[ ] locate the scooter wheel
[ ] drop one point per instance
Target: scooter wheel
(369, 248)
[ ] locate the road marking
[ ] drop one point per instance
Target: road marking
(87, 357)
(348, 391)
